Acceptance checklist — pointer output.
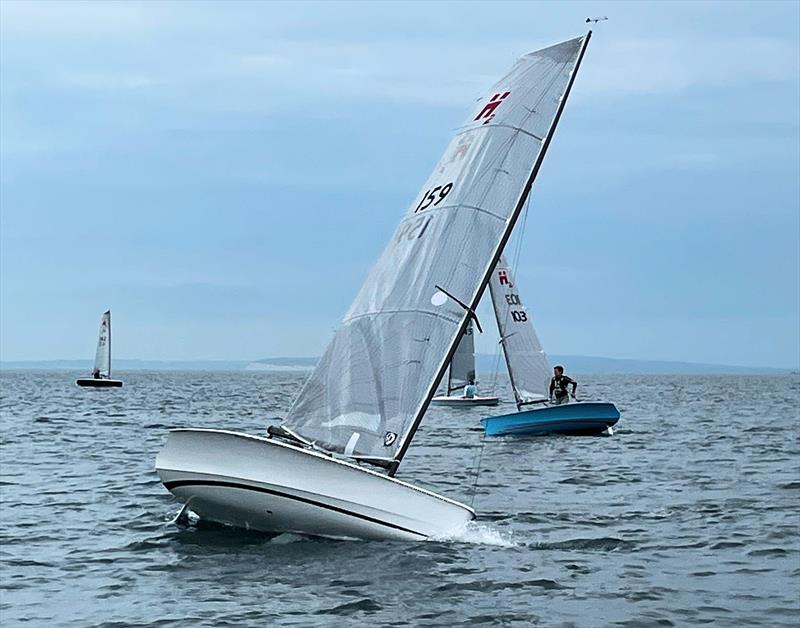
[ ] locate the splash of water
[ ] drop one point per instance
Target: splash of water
(478, 534)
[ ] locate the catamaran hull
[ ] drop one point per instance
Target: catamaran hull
(464, 402)
(91, 382)
(263, 484)
(575, 419)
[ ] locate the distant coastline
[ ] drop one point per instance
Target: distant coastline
(577, 364)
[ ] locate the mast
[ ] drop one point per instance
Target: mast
(512, 220)
(449, 381)
(505, 355)
(109, 344)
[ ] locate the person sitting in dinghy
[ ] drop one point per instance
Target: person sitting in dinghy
(559, 385)
(470, 390)
(96, 374)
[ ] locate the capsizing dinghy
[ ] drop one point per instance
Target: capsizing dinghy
(461, 374)
(329, 468)
(529, 373)
(101, 373)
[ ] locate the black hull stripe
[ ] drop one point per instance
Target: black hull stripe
(260, 489)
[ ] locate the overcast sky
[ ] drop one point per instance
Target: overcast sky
(223, 175)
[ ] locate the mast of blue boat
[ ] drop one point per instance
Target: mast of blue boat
(512, 220)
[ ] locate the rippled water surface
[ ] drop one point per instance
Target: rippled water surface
(688, 515)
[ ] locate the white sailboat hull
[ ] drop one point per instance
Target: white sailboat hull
(263, 484)
(464, 402)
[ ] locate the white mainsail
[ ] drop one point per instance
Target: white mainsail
(375, 380)
(102, 358)
(527, 364)
(462, 366)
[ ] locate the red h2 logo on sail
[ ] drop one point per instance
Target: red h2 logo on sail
(503, 279)
(488, 110)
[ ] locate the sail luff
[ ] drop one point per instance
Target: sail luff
(109, 344)
(510, 222)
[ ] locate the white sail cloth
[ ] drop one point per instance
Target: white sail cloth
(374, 378)
(462, 366)
(527, 364)
(102, 357)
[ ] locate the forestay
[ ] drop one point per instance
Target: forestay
(527, 363)
(102, 358)
(375, 379)
(462, 366)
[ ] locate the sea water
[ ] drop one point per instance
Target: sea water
(689, 514)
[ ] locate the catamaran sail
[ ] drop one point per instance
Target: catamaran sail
(102, 358)
(374, 382)
(527, 364)
(462, 366)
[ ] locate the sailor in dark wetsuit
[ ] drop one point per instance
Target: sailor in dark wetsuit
(559, 384)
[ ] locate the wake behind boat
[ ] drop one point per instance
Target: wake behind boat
(529, 373)
(101, 373)
(364, 401)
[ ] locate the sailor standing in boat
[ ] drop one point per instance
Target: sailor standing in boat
(558, 386)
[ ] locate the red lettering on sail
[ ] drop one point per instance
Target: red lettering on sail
(461, 149)
(503, 277)
(488, 111)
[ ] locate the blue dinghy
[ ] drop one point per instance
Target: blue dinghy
(583, 418)
(529, 374)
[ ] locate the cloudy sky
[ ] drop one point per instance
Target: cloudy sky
(223, 175)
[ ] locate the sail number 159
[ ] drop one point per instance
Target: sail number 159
(434, 196)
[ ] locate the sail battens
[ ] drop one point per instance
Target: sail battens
(463, 206)
(383, 364)
(518, 129)
(453, 319)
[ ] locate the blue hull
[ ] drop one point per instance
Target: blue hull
(577, 419)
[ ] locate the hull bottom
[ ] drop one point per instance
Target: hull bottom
(573, 419)
(91, 382)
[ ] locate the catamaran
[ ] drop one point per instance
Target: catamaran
(529, 373)
(101, 373)
(460, 374)
(329, 468)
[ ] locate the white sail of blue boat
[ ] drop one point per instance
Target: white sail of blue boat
(528, 368)
(329, 468)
